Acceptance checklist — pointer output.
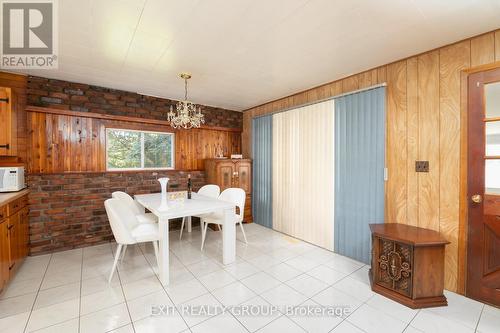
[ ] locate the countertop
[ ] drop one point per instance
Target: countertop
(5, 198)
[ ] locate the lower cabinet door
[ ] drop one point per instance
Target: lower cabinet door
(4, 254)
(13, 233)
(23, 240)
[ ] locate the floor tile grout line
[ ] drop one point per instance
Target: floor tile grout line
(80, 299)
(282, 282)
(480, 316)
(162, 286)
(330, 286)
(259, 268)
(412, 319)
(36, 296)
(123, 292)
(209, 292)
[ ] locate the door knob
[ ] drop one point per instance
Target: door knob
(477, 198)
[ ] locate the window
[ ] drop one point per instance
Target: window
(136, 150)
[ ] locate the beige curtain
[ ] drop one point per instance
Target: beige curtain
(303, 173)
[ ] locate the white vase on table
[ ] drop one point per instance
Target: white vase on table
(164, 203)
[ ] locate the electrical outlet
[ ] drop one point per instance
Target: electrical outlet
(422, 166)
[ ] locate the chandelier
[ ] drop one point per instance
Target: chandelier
(187, 115)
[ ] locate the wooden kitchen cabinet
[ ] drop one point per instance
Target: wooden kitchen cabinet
(8, 123)
(4, 254)
(14, 236)
(232, 173)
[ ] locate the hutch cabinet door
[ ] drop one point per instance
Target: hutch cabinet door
(225, 175)
(243, 176)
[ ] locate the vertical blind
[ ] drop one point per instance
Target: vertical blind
(359, 170)
(302, 173)
(262, 147)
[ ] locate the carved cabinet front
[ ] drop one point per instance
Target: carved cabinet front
(394, 266)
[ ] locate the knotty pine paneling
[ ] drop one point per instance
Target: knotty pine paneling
(63, 143)
(424, 102)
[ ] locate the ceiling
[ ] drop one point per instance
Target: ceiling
(243, 53)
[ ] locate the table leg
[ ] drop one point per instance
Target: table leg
(163, 268)
(228, 237)
(189, 223)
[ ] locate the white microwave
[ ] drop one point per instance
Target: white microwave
(11, 179)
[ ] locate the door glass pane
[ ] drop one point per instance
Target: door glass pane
(492, 97)
(492, 176)
(493, 138)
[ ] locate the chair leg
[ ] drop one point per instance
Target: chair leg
(202, 227)
(204, 236)
(117, 256)
(157, 255)
(123, 252)
(218, 227)
(243, 232)
(182, 226)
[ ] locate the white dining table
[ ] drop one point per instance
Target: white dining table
(176, 208)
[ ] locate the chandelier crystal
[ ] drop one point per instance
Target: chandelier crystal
(187, 114)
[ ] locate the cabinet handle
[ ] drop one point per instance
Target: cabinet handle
(10, 227)
(12, 266)
(7, 146)
(6, 100)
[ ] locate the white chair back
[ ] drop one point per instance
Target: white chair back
(236, 196)
(211, 191)
(127, 199)
(122, 220)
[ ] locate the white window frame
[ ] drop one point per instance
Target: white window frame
(172, 135)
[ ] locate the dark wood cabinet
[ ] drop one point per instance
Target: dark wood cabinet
(14, 237)
(232, 173)
(408, 264)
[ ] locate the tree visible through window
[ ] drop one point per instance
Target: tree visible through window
(129, 149)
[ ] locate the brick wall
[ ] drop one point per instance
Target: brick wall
(67, 210)
(87, 98)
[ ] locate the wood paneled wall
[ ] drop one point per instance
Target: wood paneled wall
(424, 106)
(66, 143)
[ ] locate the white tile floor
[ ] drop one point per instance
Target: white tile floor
(68, 292)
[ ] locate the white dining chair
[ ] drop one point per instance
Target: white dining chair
(136, 207)
(211, 191)
(233, 195)
(127, 230)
